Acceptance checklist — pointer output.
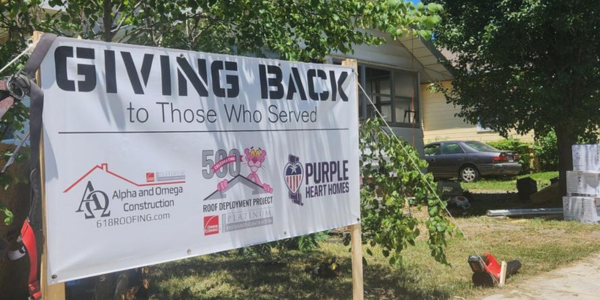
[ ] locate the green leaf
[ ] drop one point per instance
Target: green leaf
(441, 227)
(425, 34)
(432, 7)
(9, 215)
(433, 211)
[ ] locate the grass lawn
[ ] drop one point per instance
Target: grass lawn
(508, 184)
(540, 245)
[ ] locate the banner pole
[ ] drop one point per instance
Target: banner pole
(357, 267)
(356, 242)
(55, 291)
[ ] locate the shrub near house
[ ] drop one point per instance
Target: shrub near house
(523, 148)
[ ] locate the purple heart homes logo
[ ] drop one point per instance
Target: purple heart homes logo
(294, 174)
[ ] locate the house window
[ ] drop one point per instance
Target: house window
(393, 94)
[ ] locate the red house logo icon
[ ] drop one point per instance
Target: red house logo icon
(150, 178)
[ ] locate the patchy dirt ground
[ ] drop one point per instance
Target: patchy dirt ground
(580, 280)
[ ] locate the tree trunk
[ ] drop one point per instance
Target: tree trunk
(565, 139)
(108, 20)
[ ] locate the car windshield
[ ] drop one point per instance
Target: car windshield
(479, 146)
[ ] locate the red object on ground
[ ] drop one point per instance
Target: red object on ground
(493, 267)
(485, 264)
(486, 269)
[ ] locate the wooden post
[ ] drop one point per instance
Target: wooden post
(358, 292)
(502, 274)
(55, 291)
(357, 267)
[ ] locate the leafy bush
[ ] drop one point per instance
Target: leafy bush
(513, 144)
(546, 151)
(392, 184)
(546, 148)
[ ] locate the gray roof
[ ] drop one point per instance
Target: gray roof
(239, 179)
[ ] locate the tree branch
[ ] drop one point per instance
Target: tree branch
(125, 16)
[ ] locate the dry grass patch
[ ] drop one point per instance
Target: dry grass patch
(540, 245)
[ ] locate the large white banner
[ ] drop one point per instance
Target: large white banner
(153, 155)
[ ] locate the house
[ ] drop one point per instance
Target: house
(392, 75)
(440, 121)
(396, 76)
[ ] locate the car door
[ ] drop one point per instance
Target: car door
(450, 159)
(432, 151)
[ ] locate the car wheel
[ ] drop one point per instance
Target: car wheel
(469, 173)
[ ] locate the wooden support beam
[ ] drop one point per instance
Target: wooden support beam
(358, 292)
(55, 291)
(355, 234)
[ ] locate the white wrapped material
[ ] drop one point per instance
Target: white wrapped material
(586, 157)
(582, 183)
(581, 209)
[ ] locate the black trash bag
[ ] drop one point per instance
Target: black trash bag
(526, 187)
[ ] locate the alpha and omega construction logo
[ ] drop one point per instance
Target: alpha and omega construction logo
(115, 200)
(294, 174)
(93, 203)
